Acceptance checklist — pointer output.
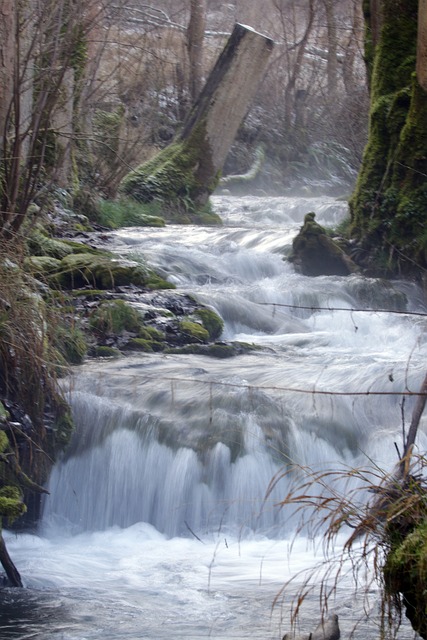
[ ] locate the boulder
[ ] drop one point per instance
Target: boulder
(314, 253)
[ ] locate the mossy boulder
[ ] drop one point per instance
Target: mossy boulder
(41, 244)
(104, 272)
(314, 253)
(220, 350)
(144, 345)
(42, 266)
(115, 317)
(211, 321)
(193, 331)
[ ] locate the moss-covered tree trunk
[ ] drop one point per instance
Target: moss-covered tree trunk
(389, 205)
(183, 175)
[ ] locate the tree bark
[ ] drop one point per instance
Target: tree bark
(332, 61)
(195, 36)
(389, 203)
(422, 44)
(413, 428)
(8, 35)
(6, 561)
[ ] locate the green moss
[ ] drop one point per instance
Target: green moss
(388, 207)
(211, 322)
(145, 345)
(40, 244)
(80, 247)
(4, 440)
(11, 505)
(129, 213)
(193, 331)
(151, 333)
(63, 427)
(100, 271)
(42, 266)
(218, 350)
(171, 178)
(115, 317)
(107, 129)
(405, 572)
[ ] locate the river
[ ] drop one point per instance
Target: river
(161, 519)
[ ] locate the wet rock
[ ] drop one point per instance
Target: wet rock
(314, 253)
(327, 629)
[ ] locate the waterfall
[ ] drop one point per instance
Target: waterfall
(164, 512)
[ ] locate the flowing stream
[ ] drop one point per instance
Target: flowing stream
(164, 516)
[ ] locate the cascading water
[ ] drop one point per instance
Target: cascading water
(158, 520)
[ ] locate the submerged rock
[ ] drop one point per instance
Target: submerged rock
(314, 253)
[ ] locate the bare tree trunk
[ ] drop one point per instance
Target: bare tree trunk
(332, 61)
(8, 29)
(27, 20)
(351, 47)
(422, 44)
(62, 124)
(413, 429)
(195, 35)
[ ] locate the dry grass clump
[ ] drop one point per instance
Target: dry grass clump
(385, 519)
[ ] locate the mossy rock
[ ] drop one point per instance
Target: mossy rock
(314, 253)
(42, 266)
(81, 247)
(115, 317)
(105, 352)
(211, 322)
(41, 244)
(193, 331)
(100, 271)
(151, 333)
(147, 346)
(126, 212)
(220, 350)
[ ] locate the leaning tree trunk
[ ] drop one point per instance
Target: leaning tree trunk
(184, 174)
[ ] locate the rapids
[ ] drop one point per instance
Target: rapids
(161, 518)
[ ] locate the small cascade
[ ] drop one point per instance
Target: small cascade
(190, 444)
(164, 513)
